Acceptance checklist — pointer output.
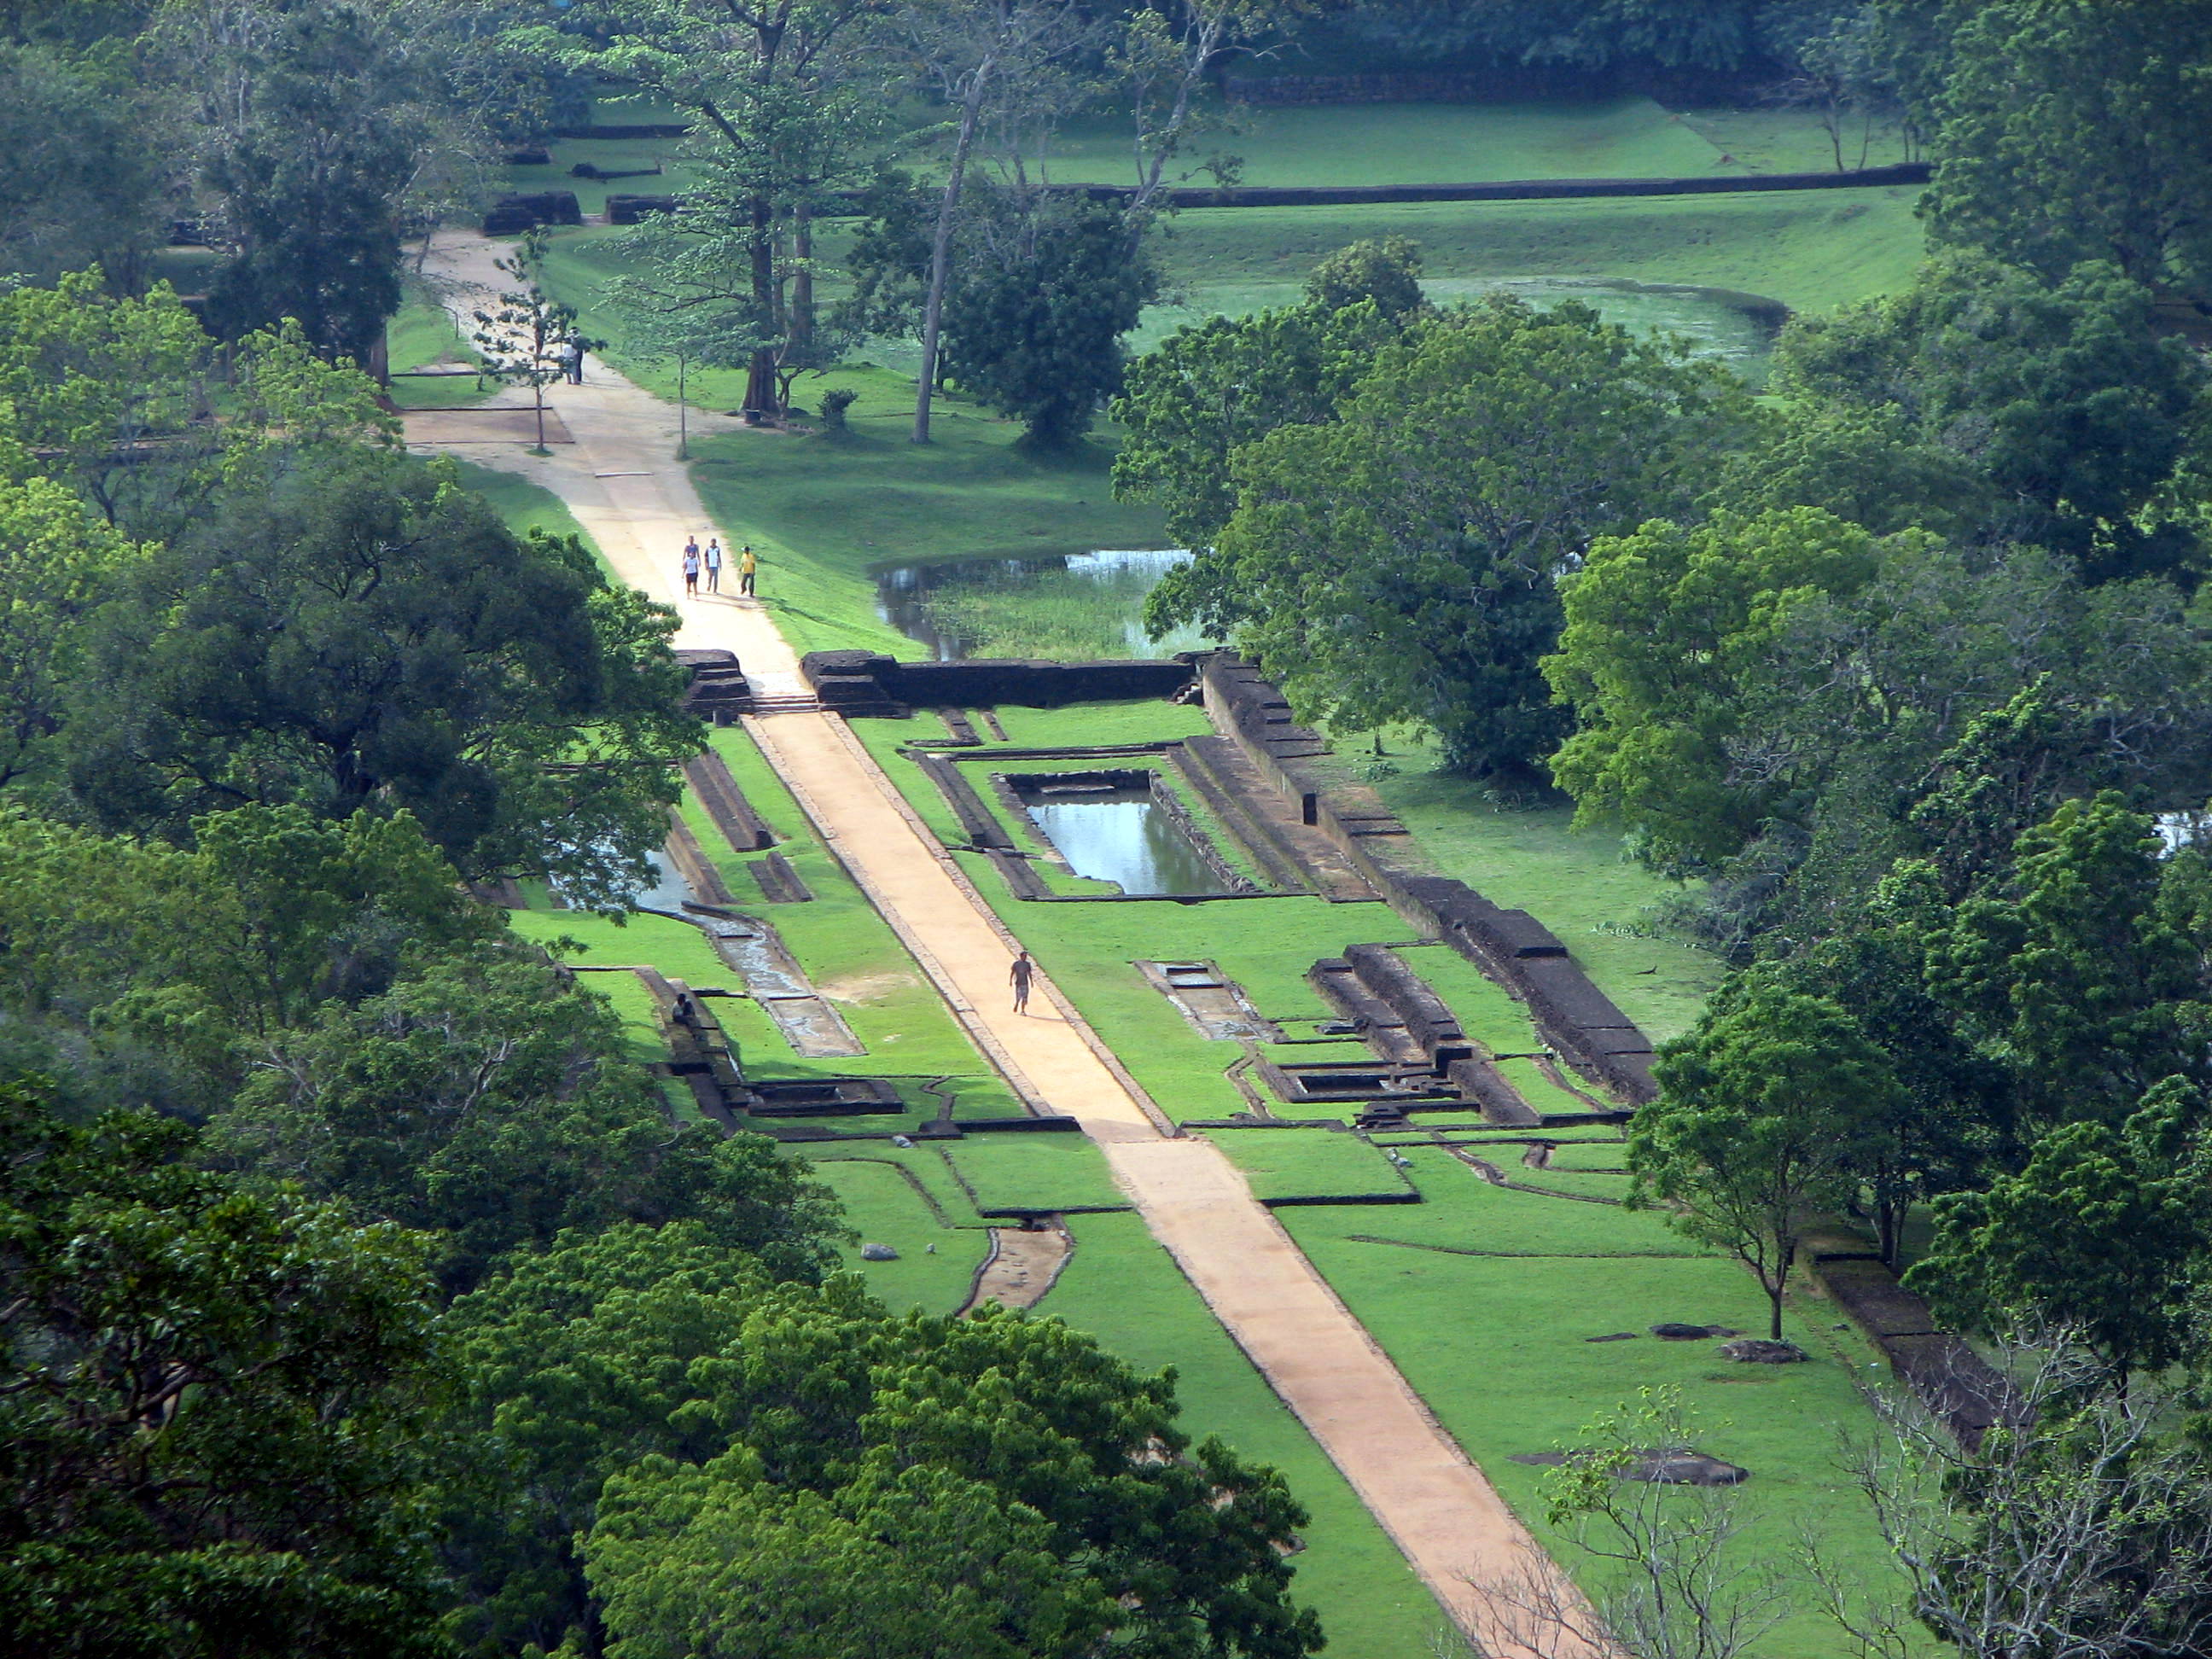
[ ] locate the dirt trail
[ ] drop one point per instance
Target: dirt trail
(619, 479)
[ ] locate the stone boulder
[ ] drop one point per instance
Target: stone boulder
(877, 1253)
(1763, 1351)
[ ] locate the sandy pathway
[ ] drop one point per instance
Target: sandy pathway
(620, 479)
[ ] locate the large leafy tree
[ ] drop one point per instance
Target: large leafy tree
(790, 100)
(1762, 1121)
(2074, 969)
(1664, 628)
(58, 561)
(1033, 325)
(2079, 131)
(1048, 1498)
(367, 634)
(89, 178)
(210, 1402)
(489, 1098)
(2104, 1233)
(309, 168)
(1401, 562)
(2073, 408)
(1212, 387)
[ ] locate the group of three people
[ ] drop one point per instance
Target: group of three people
(710, 561)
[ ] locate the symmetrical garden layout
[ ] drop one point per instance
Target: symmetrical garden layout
(1314, 1130)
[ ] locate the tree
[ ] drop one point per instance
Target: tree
(1676, 1585)
(2080, 130)
(1400, 561)
(2104, 1233)
(522, 341)
(2078, 1524)
(2078, 411)
(209, 1402)
(756, 1421)
(1663, 630)
(1385, 269)
(93, 379)
(2071, 971)
(488, 1097)
(368, 634)
(792, 95)
(57, 560)
(88, 181)
(1033, 325)
(309, 170)
(1758, 1126)
(1211, 388)
(983, 60)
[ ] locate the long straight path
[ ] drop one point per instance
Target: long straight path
(619, 479)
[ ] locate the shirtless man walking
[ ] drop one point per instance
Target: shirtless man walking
(1019, 976)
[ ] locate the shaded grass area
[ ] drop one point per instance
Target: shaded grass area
(422, 334)
(525, 506)
(1124, 1290)
(1792, 140)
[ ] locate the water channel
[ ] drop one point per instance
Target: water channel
(1119, 834)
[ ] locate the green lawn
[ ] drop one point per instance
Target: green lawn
(1309, 1164)
(1013, 1171)
(1811, 250)
(525, 506)
(1498, 1348)
(1627, 137)
(1124, 1290)
(423, 335)
(1581, 885)
(937, 1263)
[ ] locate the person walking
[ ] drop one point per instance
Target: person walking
(572, 359)
(692, 571)
(713, 566)
(747, 565)
(1019, 976)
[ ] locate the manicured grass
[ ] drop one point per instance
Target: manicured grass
(1590, 1155)
(948, 1202)
(525, 506)
(1420, 144)
(1812, 250)
(1013, 1171)
(1460, 1211)
(882, 1205)
(609, 155)
(423, 335)
(1498, 1348)
(1581, 886)
(1313, 1163)
(1790, 140)
(1096, 723)
(1124, 1289)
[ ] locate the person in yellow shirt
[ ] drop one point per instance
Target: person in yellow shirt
(746, 566)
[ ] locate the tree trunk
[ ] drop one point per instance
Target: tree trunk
(940, 254)
(760, 371)
(682, 416)
(802, 283)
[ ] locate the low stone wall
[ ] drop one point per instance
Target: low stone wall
(718, 688)
(1576, 1019)
(869, 683)
(511, 216)
(1428, 1022)
(627, 209)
